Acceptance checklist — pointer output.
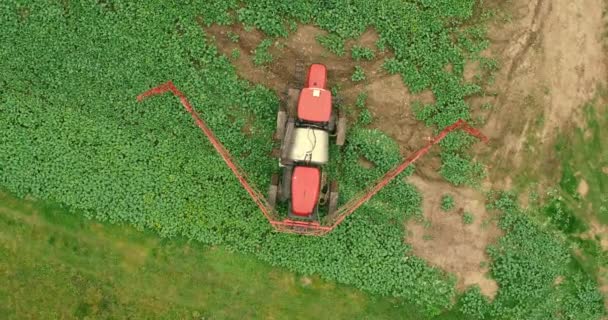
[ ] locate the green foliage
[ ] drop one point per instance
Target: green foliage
(333, 43)
(361, 100)
(468, 218)
(460, 170)
(583, 156)
(474, 304)
(233, 36)
(447, 202)
(457, 167)
(561, 216)
(235, 54)
(361, 53)
(358, 75)
(261, 55)
(365, 116)
(456, 141)
(72, 132)
(568, 182)
(218, 12)
(526, 263)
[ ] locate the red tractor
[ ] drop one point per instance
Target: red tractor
(304, 127)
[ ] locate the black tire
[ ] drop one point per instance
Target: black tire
(281, 121)
(331, 126)
(286, 143)
(285, 185)
(291, 102)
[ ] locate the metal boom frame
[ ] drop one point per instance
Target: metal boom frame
(305, 227)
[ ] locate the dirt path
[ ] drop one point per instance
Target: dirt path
(553, 58)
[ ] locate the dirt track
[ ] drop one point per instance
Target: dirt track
(553, 59)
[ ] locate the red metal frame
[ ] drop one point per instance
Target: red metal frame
(306, 227)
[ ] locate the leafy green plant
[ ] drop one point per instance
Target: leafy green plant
(333, 43)
(526, 263)
(358, 75)
(474, 304)
(560, 215)
(261, 55)
(235, 54)
(468, 218)
(447, 202)
(233, 36)
(365, 116)
(361, 53)
(459, 170)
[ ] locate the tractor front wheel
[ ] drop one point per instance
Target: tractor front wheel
(285, 185)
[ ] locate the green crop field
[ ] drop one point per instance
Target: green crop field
(159, 227)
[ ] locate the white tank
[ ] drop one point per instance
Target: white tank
(309, 145)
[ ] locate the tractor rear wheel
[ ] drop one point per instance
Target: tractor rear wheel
(341, 129)
(273, 189)
(331, 126)
(333, 198)
(287, 141)
(293, 95)
(285, 185)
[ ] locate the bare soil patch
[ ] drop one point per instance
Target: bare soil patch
(445, 241)
(552, 58)
(583, 188)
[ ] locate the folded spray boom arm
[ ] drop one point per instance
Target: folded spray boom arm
(305, 227)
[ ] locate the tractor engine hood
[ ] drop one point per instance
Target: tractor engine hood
(305, 187)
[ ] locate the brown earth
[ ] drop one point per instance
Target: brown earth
(445, 241)
(583, 188)
(553, 56)
(553, 59)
